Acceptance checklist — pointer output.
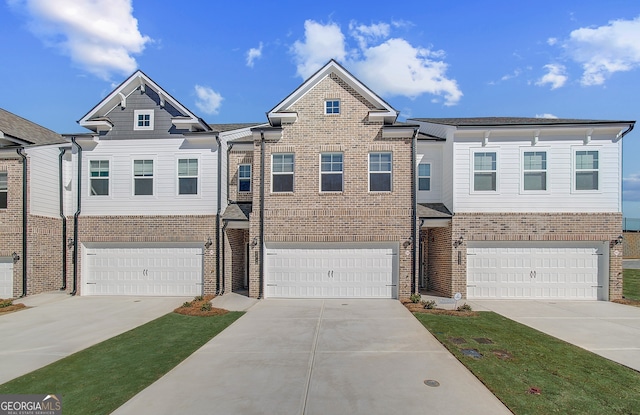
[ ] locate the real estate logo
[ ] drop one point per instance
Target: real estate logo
(30, 405)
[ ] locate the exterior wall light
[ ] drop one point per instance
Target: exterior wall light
(69, 243)
(408, 242)
(15, 257)
(458, 241)
(208, 244)
(254, 242)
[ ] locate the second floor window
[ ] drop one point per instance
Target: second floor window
(244, 178)
(331, 172)
(3, 190)
(188, 176)
(424, 176)
(143, 120)
(332, 107)
(485, 171)
(99, 177)
(380, 172)
(143, 177)
(535, 170)
(282, 173)
(586, 170)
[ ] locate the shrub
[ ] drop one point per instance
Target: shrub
(429, 305)
(186, 304)
(464, 307)
(415, 298)
(206, 307)
(5, 303)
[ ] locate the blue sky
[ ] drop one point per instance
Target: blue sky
(233, 61)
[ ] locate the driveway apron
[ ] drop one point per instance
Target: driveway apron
(319, 357)
(605, 328)
(58, 325)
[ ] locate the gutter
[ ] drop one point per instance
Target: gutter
(218, 213)
(261, 279)
(75, 219)
(24, 220)
(414, 208)
(64, 219)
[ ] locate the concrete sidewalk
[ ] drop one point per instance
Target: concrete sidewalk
(608, 329)
(319, 357)
(58, 325)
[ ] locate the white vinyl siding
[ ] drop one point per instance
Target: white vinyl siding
(432, 154)
(44, 184)
(188, 176)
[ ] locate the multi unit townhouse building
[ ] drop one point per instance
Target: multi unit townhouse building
(329, 197)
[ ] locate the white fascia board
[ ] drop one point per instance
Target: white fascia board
(398, 132)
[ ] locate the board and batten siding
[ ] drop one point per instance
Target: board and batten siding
(165, 200)
(43, 186)
(560, 195)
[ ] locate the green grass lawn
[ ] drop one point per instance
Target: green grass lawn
(631, 284)
(571, 380)
(101, 378)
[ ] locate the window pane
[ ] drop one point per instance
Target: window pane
(424, 183)
(3, 181)
(244, 185)
(380, 182)
(188, 186)
(188, 167)
(331, 182)
(587, 160)
(380, 162)
(3, 200)
(143, 167)
(587, 180)
(484, 181)
(143, 187)
(424, 170)
(535, 160)
(283, 183)
(535, 181)
(99, 168)
(282, 163)
(331, 162)
(244, 171)
(484, 161)
(332, 107)
(100, 187)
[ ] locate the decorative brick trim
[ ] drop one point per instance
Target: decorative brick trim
(326, 148)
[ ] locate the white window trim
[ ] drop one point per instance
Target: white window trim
(284, 173)
(250, 178)
(136, 127)
(472, 153)
(575, 149)
(523, 171)
(321, 173)
(110, 177)
(133, 177)
(332, 100)
(198, 177)
(430, 177)
(369, 172)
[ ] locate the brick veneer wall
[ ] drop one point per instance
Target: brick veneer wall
(537, 227)
(235, 257)
(353, 215)
(631, 245)
(152, 229)
(11, 219)
(44, 265)
(439, 261)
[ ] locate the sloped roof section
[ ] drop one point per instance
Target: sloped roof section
(97, 119)
(433, 211)
(513, 121)
(382, 111)
(15, 130)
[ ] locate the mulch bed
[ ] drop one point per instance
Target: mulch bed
(10, 308)
(419, 308)
(195, 308)
(627, 301)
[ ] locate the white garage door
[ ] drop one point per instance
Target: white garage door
(331, 271)
(533, 272)
(6, 278)
(160, 271)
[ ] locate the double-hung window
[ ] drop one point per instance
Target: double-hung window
(332, 106)
(143, 177)
(586, 170)
(188, 176)
(244, 178)
(282, 172)
(534, 166)
(379, 172)
(424, 176)
(331, 172)
(3, 190)
(99, 177)
(143, 120)
(485, 169)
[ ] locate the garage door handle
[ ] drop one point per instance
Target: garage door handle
(91, 283)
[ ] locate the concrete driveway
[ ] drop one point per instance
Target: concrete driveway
(319, 357)
(58, 325)
(608, 329)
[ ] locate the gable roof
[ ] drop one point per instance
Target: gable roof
(18, 131)
(382, 112)
(514, 121)
(97, 118)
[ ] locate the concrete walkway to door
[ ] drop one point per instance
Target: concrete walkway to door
(319, 357)
(608, 329)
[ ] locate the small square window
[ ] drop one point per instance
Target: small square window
(143, 120)
(332, 107)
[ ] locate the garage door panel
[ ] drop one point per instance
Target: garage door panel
(6, 277)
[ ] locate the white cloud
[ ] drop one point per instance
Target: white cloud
(322, 43)
(605, 50)
(253, 54)
(552, 41)
(546, 115)
(208, 101)
(555, 76)
(390, 66)
(98, 35)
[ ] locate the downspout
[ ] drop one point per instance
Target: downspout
(420, 255)
(75, 219)
(222, 283)
(261, 279)
(229, 147)
(224, 228)
(24, 220)
(414, 208)
(64, 220)
(218, 213)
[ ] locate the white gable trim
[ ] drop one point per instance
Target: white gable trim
(281, 113)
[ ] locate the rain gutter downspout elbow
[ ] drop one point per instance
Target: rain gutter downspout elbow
(20, 152)
(75, 218)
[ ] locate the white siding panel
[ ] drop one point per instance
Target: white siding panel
(431, 153)
(43, 186)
